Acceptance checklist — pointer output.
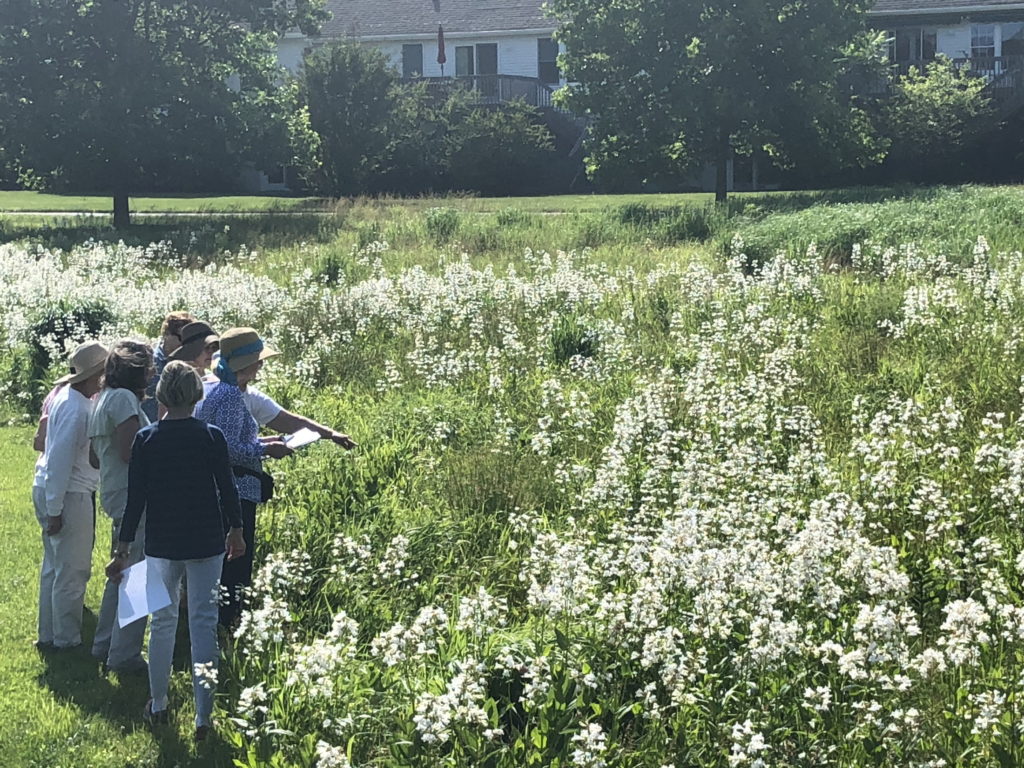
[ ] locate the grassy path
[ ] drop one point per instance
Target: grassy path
(59, 710)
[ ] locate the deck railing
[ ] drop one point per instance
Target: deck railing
(493, 89)
(1003, 75)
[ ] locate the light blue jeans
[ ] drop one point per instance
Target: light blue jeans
(203, 586)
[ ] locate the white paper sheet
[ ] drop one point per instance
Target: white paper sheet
(140, 593)
(303, 437)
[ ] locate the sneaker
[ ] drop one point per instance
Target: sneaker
(44, 647)
(202, 731)
(151, 718)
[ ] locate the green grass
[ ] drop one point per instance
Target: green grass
(26, 202)
(60, 710)
(15, 201)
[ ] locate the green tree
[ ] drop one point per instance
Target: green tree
(932, 116)
(352, 96)
(116, 94)
(364, 130)
(673, 85)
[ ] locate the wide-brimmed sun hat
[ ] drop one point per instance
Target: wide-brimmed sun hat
(86, 361)
(194, 339)
(241, 347)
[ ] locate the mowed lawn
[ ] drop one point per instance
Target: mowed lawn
(21, 201)
(28, 202)
(60, 710)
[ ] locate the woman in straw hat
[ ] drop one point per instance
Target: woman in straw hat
(64, 502)
(170, 340)
(115, 420)
(242, 353)
(199, 342)
(180, 478)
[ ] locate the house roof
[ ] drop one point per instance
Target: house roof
(402, 18)
(909, 7)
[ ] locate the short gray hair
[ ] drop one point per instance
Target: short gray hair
(179, 385)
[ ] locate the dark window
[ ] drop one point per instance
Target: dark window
(547, 61)
(412, 61)
(487, 59)
(912, 45)
(276, 175)
(464, 64)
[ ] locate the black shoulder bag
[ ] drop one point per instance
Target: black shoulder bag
(265, 478)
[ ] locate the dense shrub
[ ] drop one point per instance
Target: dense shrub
(932, 117)
(351, 95)
(500, 151)
(367, 132)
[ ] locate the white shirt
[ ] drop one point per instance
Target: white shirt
(262, 406)
(67, 449)
(113, 408)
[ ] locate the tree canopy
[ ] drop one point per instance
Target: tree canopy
(674, 85)
(114, 95)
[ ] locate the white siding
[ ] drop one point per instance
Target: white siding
(289, 52)
(518, 56)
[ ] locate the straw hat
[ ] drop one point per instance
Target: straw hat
(241, 347)
(86, 361)
(194, 338)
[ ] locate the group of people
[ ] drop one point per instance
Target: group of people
(176, 454)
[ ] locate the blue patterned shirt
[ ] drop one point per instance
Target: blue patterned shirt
(224, 407)
(150, 406)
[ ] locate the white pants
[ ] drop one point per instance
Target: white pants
(119, 647)
(67, 562)
(203, 586)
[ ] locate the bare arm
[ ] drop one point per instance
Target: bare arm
(39, 439)
(289, 422)
(124, 436)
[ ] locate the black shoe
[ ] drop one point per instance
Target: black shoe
(130, 669)
(153, 719)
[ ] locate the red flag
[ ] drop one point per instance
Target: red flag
(442, 58)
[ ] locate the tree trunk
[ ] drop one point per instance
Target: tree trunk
(722, 175)
(122, 215)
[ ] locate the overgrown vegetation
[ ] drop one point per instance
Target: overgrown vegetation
(638, 504)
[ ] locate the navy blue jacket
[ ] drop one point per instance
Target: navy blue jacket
(180, 476)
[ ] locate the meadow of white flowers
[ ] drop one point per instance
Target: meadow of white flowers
(706, 514)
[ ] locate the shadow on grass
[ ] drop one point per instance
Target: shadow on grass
(76, 678)
(198, 237)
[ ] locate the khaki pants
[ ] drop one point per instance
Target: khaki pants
(67, 562)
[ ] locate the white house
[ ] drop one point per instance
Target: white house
(985, 35)
(503, 48)
(481, 37)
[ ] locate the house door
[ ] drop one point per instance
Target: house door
(464, 64)
(487, 69)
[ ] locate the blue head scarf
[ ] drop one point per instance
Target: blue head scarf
(223, 370)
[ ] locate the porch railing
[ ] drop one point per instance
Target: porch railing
(493, 89)
(1003, 75)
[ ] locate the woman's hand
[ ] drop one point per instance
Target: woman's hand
(235, 543)
(115, 567)
(276, 449)
(344, 441)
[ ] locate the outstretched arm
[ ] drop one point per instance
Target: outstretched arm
(286, 421)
